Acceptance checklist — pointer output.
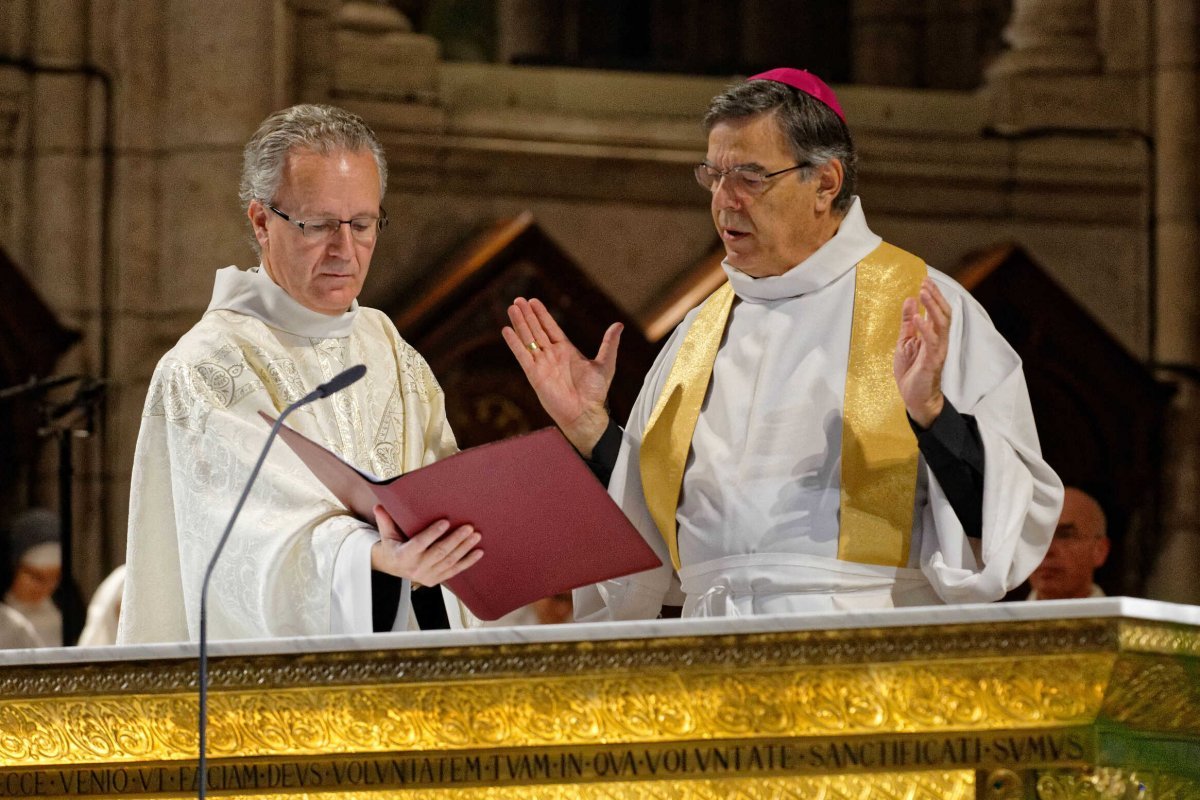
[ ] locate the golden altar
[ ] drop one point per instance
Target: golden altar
(1073, 699)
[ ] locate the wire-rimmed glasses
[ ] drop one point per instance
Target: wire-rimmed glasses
(363, 229)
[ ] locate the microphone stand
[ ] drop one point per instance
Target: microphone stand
(336, 384)
(36, 384)
(67, 421)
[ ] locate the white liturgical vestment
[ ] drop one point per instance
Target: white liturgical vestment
(297, 563)
(758, 515)
(16, 632)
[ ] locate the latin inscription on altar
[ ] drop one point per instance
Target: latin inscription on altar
(672, 761)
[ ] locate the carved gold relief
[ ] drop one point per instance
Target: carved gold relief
(95, 730)
(1160, 638)
(1155, 693)
(1111, 783)
(1025, 695)
(750, 652)
(1172, 787)
(1062, 691)
(1093, 784)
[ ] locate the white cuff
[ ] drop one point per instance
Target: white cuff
(350, 596)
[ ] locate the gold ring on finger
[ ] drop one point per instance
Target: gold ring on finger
(533, 347)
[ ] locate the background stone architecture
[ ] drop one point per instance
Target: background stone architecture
(1066, 126)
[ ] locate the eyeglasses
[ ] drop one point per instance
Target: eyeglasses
(363, 229)
(740, 180)
(1069, 534)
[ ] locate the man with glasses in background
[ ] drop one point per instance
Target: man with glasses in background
(837, 427)
(298, 563)
(1079, 548)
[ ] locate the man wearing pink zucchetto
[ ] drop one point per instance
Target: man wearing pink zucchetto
(837, 427)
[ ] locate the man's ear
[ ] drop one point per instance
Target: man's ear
(829, 183)
(257, 213)
(1100, 551)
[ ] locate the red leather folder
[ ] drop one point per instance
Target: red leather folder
(547, 524)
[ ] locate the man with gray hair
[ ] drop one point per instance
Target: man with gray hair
(837, 427)
(297, 563)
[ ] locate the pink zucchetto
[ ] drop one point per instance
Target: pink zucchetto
(806, 82)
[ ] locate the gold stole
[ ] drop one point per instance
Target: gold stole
(879, 451)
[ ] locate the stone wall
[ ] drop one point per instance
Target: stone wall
(118, 181)
(120, 206)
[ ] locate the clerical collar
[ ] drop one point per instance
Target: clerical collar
(853, 242)
(252, 292)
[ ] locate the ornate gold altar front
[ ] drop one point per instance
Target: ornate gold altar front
(1053, 708)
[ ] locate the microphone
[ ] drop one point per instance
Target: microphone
(335, 384)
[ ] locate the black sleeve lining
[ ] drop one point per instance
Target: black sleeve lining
(954, 452)
(604, 453)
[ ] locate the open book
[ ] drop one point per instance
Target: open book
(548, 526)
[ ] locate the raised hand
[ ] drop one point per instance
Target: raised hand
(571, 387)
(921, 353)
(430, 557)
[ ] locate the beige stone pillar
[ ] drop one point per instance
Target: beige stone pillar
(888, 43)
(14, 30)
(127, 42)
(1051, 36)
(528, 30)
(370, 41)
(961, 38)
(195, 81)
(312, 49)
(1054, 76)
(61, 246)
(1177, 241)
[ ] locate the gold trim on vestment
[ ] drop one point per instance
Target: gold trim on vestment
(879, 451)
(668, 436)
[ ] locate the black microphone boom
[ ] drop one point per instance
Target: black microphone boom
(335, 384)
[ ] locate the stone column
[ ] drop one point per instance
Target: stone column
(127, 43)
(528, 31)
(1053, 75)
(194, 80)
(62, 210)
(1176, 90)
(1050, 36)
(961, 37)
(312, 48)
(371, 41)
(889, 42)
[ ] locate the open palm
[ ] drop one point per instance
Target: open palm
(572, 388)
(921, 353)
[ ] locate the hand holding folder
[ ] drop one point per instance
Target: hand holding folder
(547, 524)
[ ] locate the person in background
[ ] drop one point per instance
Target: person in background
(104, 611)
(36, 564)
(15, 631)
(553, 610)
(1079, 548)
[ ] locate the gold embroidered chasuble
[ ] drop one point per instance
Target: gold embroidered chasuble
(256, 350)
